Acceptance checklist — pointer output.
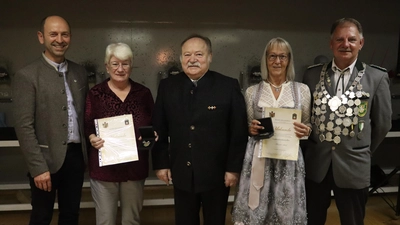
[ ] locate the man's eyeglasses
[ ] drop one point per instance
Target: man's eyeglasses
(273, 57)
(116, 65)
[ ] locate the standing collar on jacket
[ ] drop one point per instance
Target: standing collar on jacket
(60, 67)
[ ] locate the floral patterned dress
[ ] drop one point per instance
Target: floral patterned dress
(282, 199)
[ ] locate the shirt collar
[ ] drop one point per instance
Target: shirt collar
(61, 67)
(351, 67)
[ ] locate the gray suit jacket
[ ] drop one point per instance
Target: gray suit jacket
(40, 109)
(351, 158)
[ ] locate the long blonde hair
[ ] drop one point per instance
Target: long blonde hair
(282, 44)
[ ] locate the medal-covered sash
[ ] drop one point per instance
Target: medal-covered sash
(345, 111)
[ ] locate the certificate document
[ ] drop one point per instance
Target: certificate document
(284, 144)
(119, 138)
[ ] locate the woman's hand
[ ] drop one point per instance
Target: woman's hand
(301, 130)
(254, 127)
(95, 141)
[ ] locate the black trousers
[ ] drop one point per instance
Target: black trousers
(66, 185)
(350, 202)
(213, 204)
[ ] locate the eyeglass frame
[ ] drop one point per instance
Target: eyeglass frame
(125, 66)
(273, 57)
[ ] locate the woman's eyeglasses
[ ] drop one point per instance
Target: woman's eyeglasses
(273, 57)
(116, 65)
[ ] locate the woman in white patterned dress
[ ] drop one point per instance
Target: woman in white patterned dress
(276, 193)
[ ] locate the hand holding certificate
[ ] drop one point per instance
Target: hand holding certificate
(284, 144)
(119, 138)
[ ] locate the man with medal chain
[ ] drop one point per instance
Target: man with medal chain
(351, 115)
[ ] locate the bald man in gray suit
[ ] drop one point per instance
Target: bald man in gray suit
(351, 115)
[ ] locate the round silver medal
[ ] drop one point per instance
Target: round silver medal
(321, 137)
(349, 112)
(329, 126)
(340, 114)
(345, 131)
(328, 136)
(322, 127)
(337, 131)
(347, 122)
(336, 139)
(342, 109)
(317, 111)
(339, 121)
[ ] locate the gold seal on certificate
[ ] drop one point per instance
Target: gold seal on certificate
(118, 133)
(284, 144)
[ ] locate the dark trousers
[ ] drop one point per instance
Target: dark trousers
(66, 185)
(213, 203)
(350, 202)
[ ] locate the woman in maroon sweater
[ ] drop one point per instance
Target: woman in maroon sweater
(118, 95)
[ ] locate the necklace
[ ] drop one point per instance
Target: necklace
(276, 87)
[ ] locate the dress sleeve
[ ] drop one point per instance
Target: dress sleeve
(305, 104)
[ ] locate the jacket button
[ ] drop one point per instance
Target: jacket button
(64, 108)
(333, 148)
(190, 145)
(191, 91)
(64, 125)
(64, 142)
(188, 163)
(62, 91)
(192, 127)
